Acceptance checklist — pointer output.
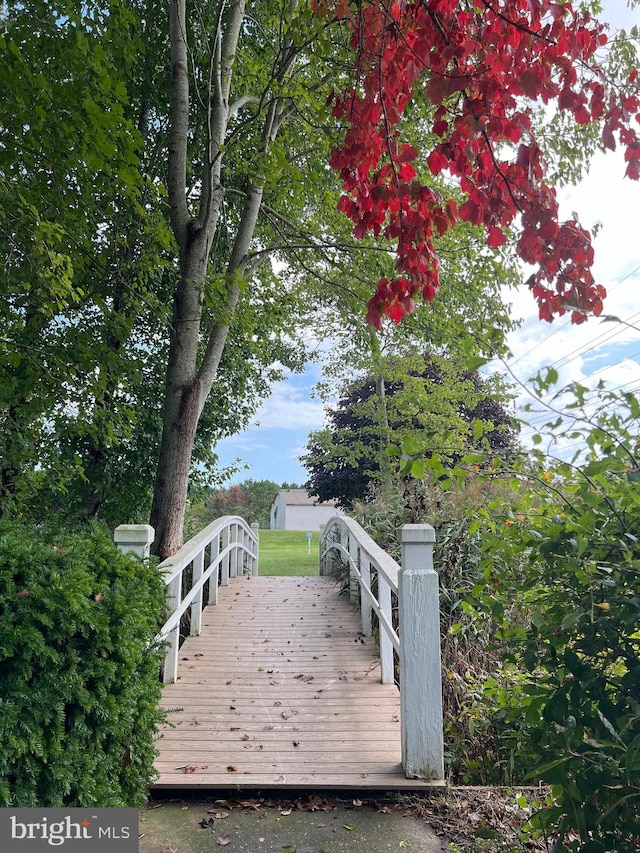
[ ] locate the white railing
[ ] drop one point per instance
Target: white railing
(343, 542)
(227, 548)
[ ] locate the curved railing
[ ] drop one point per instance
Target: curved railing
(226, 548)
(344, 545)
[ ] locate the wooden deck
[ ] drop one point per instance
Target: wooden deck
(280, 690)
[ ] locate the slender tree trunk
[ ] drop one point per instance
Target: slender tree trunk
(188, 382)
(193, 362)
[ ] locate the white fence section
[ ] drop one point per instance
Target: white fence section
(343, 542)
(228, 547)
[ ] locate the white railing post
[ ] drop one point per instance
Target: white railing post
(420, 668)
(354, 586)
(387, 674)
(366, 609)
(233, 538)
(255, 548)
(213, 580)
(226, 560)
(134, 539)
(196, 606)
(321, 545)
(174, 597)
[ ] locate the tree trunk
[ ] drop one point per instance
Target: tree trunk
(188, 383)
(172, 477)
(193, 362)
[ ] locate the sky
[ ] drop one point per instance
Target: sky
(269, 448)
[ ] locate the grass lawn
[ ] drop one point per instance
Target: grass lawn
(285, 552)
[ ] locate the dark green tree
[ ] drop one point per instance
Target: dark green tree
(446, 409)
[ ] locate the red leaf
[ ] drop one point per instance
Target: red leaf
(496, 238)
(396, 312)
(437, 162)
(407, 153)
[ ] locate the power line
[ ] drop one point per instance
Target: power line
(567, 323)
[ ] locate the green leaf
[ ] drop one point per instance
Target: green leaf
(552, 376)
(474, 362)
(486, 832)
(418, 469)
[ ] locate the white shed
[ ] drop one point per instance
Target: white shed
(294, 509)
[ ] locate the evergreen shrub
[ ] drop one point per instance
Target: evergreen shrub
(79, 670)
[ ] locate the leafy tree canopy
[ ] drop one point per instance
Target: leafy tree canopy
(484, 69)
(433, 399)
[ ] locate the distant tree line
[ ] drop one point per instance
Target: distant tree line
(250, 499)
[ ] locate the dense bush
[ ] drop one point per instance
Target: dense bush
(578, 529)
(540, 608)
(479, 744)
(79, 684)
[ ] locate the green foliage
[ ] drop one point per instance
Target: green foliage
(411, 406)
(573, 541)
(477, 686)
(79, 672)
(89, 261)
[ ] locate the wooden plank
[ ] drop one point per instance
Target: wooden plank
(280, 690)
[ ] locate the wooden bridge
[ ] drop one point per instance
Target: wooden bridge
(282, 684)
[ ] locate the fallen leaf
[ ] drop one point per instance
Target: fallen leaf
(357, 803)
(349, 826)
(404, 843)
(231, 768)
(245, 737)
(289, 848)
(286, 812)
(222, 842)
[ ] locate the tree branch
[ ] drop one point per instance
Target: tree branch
(178, 124)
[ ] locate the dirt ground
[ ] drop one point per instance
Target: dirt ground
(456, 819)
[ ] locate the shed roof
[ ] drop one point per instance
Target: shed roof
(300, 497)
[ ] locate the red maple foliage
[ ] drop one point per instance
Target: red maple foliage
(481, 64)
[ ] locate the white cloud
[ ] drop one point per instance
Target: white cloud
(619, 15)
(289, 407)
